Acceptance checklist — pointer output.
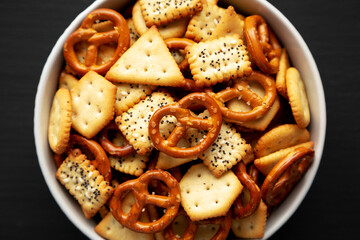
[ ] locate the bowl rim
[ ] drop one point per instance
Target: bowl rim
(53, 57)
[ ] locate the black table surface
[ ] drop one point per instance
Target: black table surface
(30, 29)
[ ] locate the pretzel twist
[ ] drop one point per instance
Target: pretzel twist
(224, 225)
(240, 211)
(285, 174)
(262, 44)
(179, 43)
(254, 173)
(101, 161)
(120, 35)
(185, 119)
(109, 147)
(139, 187)
(190, 230)
(241, 90)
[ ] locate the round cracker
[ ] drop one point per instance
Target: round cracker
(280, 137)
(266, 163)
(284, 64)
(173, 29)
(297, 97)
(60, 121)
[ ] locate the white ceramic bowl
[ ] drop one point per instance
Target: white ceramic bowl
(300, 56)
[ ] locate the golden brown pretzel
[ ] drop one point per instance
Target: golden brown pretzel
(262, 44)
(285, 174)
(101, 161)
(224, 223)
(190, 231)
(240, 211)
(120, 35)
(158, 187)
(139, 187)
(185, 119)
(109, 147)
(254, 173)
(241, 90)
(179, 43)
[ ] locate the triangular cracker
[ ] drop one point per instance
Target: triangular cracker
(147, 61)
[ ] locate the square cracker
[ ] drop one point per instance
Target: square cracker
(147, 61)
(133, 164)
(205, 196)
(203, 23)
(163, 11)
(252, 226)
(93, 104)
(134, 124)
(229, 24)
(218, 60)
(227, 150)
(177, 28)
(84, 183)
(127, 95)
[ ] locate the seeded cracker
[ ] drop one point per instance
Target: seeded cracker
(127, 95)
(148, 61)
(227, 150)
(84, 183)
(203, 23)
(134, 35)
(134, 124)
(177, 55)
(60, 121)
(93, 104)
(218, 60)
(163, 11)
(111, 229)
(205, 196)
(176, 28)
(133, 164)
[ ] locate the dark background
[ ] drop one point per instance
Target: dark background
(29, 29)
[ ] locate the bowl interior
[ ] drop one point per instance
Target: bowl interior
(300, 57)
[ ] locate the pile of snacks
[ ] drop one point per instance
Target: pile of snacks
(178, 119)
